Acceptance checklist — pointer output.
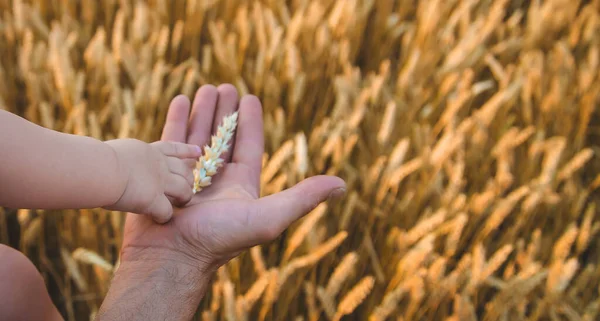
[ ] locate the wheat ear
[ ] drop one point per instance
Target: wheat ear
(211, 161)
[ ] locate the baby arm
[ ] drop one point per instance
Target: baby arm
(45, 169)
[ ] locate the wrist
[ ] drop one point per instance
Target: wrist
(152, 257)
(122, 174)
(158, 282)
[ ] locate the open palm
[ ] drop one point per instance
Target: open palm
(228, 216)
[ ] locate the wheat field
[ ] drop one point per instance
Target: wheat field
(468, 133)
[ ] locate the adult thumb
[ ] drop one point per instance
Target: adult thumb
(276, 212)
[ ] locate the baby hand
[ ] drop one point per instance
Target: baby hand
(156, 175)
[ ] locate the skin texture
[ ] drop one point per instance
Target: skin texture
(46, 169)
(165, 269)
(22, 289)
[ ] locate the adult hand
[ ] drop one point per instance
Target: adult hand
(165, 269)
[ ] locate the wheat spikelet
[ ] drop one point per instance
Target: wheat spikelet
(388, 125)
(269, 294)
(277, 184)
(437, 269)
(458, 226)
(412, 260)
(208, 316)
(591, 311)
(327, 302)
(248, 300)
(32, 232)
(26, 51)
(156, 82)
(348, 210)
(403, 171)
(341, 273)
(229, 301)
(496, 261)
(425, 226)
(503, 209)
(477, 266)
(276, 161)
(310, 297)
(388, 304)
(349, 145)
(445, 147)
(308, 223)
(18, 9)
(585, 232)
(177, 35)
(73, 270)
(24, 217)
(560, 275)
(331, 143)
(90, 257)
(554, 149)
(574, 164)
(210, 162)
(509, 296)
(398, 154)
(217, 293)
(464, 309)
(301, 154)
(373, 174)
(257, 260)
(162, 42)
(374, 258)
(354, 297)
(313, 257)
(562, 247)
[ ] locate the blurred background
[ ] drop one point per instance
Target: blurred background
(467, 131)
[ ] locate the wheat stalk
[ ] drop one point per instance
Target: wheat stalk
(354, 297)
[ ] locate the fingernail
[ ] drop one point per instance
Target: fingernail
(336, 194)
(197, 148)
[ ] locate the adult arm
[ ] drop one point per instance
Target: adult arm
(165, 269)
(155, 285)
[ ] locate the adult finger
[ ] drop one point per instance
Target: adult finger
(274, 213)
(201, 118)
(226, 105)
(249, 146)
(177, 119)
(179, 150)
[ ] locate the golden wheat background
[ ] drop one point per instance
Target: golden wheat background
(467, 131)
